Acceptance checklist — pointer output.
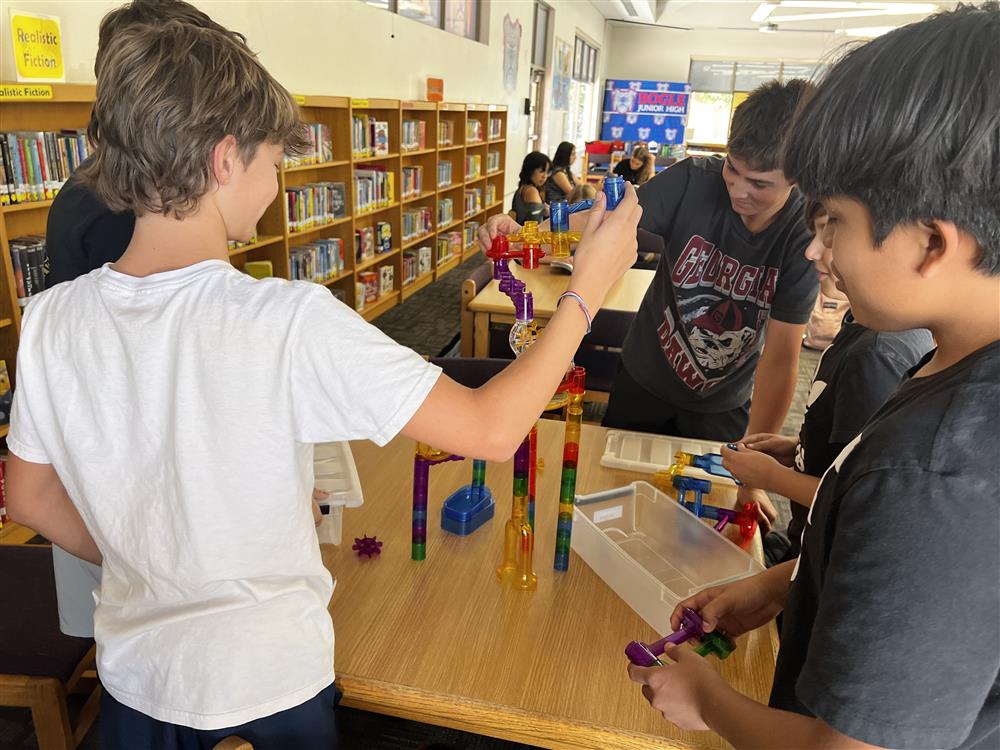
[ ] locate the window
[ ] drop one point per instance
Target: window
(719, 86)
(459, 17)
(540, 39)
(584, 61)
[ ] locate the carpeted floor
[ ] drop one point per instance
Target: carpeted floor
(428, 322)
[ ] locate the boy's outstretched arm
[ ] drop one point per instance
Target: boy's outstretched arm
(774, 383)
(692, 695)
(37, 499)
(490, 422)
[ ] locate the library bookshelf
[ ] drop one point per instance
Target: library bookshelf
(69, 106)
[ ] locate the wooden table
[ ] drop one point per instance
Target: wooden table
(545, 284)
(441, 642)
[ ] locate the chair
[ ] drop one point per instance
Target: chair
(39, 665)
(600, 351)
(471, 286)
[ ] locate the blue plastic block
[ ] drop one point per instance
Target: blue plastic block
(465, 511)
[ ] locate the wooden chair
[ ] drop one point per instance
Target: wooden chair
(601, 351)
(471, 286)
(39, 666)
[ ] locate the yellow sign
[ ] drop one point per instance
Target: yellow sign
(299, 99)
(37, 47)
(359, 103)
(15, 92)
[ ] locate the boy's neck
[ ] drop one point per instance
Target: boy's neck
(161, 243)
(974, 324)
(757, 223)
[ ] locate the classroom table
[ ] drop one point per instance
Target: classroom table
(546, 284)
(440, 642)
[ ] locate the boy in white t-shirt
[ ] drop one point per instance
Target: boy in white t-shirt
(166, 405)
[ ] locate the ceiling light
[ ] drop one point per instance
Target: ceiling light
(846, 9)
(867, 31)
(763, 11)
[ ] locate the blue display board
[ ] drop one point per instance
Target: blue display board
(645, 111)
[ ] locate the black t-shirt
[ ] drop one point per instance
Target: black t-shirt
(83, 234)
(624, 168)
(699, 331)
(891, 630)
(856, 374)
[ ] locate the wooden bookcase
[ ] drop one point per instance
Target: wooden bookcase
(70, 107)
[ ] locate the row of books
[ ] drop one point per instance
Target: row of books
(448, 246)
(413, 181)
(491, 193)
(446, 133)
(372, 241)
(314, 205)
(317, 261)
(444, 174)
(417, 222)
(320, 148)
(470, 233)
(446, 211)
(414, 135)
(473, 201)
(369, 137)
(473, 131)
(372, 285)
(29, 258)
(496, 128)
(416, 263)
(36, 164)
(374, 188)
(492, 161)
(473, 166)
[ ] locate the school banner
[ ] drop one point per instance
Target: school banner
(645, 111)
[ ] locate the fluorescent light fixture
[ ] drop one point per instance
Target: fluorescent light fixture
(868, 31)
(842, 9)
(763, 11)
(844, 5)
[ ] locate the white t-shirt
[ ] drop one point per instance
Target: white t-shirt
(180, 410)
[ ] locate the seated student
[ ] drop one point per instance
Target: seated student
(891, 616)
(527, 204)
(583, 191)
(856, 374)
(638, 168)
(561, 181)
(166, 405)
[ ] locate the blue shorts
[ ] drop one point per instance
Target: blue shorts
(309, 726)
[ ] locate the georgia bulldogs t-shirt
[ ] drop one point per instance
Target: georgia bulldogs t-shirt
(699, 331)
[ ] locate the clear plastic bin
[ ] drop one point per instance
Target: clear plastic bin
(651, 551)
(644, 453)
(334, 472)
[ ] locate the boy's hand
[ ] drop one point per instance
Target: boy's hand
(499, 224)
(779, 447)
(677, 690)
(749, 466)
(767, 514)
(318, 495)
(736, 608)
(607, 248)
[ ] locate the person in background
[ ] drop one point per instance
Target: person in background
(855, 375)
(638, 168)
(527, 204)
(583, 191)
(561, 181)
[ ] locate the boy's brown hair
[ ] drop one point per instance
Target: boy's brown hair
(166, 95)
(761, 124)
(152, 12)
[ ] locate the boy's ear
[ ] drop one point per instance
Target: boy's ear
(224, 158)
(939, 243)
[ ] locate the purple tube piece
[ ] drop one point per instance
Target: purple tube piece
(691, 627)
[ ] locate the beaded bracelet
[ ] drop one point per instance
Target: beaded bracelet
(583, 306)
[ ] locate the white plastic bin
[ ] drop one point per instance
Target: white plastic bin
(334, 472)
(651, 551)
(645, 453)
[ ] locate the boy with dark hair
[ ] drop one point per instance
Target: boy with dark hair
(891, 631)
(855, 375)
(167, 404)
(733, 272)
